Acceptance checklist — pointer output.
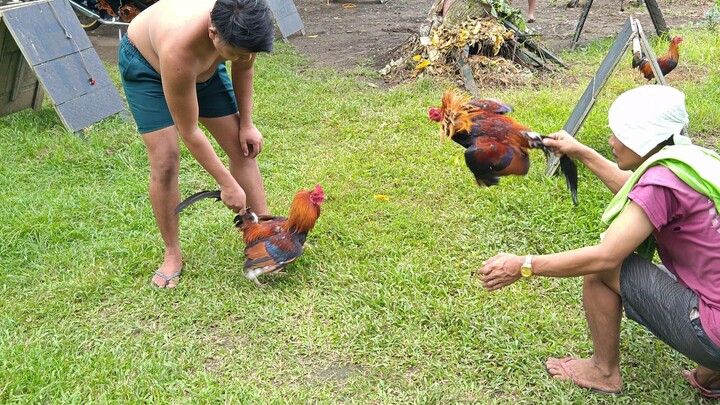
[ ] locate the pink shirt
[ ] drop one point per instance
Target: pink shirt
(687, 232)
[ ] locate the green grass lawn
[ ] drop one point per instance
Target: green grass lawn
(382, 308)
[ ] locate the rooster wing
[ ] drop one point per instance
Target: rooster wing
(489, 158)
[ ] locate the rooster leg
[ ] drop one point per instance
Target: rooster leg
(258, 283)
(252, 275)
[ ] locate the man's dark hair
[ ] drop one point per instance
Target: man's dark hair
(245, 24)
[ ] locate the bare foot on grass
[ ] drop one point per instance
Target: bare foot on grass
(586, 373)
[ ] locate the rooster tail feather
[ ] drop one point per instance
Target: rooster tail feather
(248, 216)
(637, 60)
(569, 169)
(535, 140)
(195, 198)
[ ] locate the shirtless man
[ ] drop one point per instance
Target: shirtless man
(172, 65)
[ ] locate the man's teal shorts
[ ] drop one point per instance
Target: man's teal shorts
(144, 92)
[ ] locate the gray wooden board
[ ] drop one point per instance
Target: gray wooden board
(41, 35)
(60, 62)
(80, 113)
(66, 78)
(286, 16)
(587, 100)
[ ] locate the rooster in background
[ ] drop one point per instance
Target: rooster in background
(667, 62)
(495, 144)
(272, 242)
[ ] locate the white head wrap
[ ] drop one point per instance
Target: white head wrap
(646, 116)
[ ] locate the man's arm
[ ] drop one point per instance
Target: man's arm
(623, 236)
(243, 72)
(606, 170)
(178, 80)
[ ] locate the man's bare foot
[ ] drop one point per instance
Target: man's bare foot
(586, 373)
(705, 380)
(168, 275)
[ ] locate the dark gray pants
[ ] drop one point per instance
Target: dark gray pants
(653, 298)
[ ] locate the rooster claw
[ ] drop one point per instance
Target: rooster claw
(258, 283)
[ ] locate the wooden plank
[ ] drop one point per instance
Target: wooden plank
(587, 100)
(7, 4)
(65, 78)
(466, 70)
(531, 45)
(84, 111)
(49, 40)
(63, 60)
(287, 17)
(657, 18)
(580, 24)
(650, 55)
(19, 88)
(38, 96)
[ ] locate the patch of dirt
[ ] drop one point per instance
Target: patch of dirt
(345, 35)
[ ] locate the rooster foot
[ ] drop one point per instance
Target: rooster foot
(258, 283)
(253, 275)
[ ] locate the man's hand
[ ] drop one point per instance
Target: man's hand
(251, 141)
(500, 271)
(234, 198)
(563, 143)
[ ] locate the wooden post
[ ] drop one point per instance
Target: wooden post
(580, 24)
(466, 70)
(656, 16)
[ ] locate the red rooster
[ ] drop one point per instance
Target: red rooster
(272, 242)
(667, 62)
(495, 144)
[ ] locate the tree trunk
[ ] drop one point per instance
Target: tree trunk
(457, 11)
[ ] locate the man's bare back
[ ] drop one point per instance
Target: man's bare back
(177, 30)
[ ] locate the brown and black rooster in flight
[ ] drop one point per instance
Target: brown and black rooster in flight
(272, 242)
(495, 144)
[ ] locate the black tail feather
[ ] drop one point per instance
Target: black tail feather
(567, 165)
(248, 216)
(197, 197)
(569, 170)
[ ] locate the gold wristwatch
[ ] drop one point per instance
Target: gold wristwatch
(526, 268)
